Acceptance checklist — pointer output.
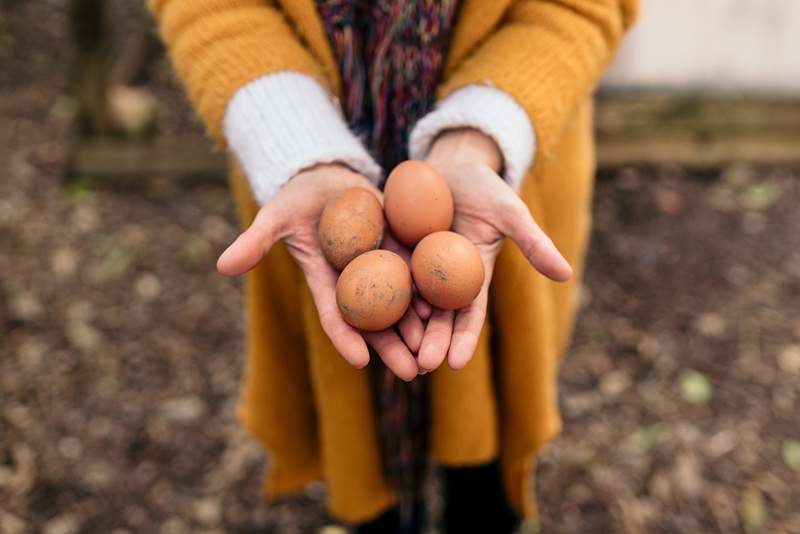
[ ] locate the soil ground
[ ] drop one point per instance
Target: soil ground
(120, 347)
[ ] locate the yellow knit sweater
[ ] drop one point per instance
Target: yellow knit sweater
(312, 410)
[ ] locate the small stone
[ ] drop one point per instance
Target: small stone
(148, 287)
(70, 448)
(85, 218)
(100, 427)
(208, 511)
(98, 475)
(26, 307)
(145, 472)
(648, 346)
(64, 263)
(195, 250)
(135, 516)
(80, 310)
(174, 526)
(615, 383)
(63, 524)
(31, 354)
(754, 223)
(64, 108)
(723, 199)
(132, 109)
(579, 493)
(661, 487)
(721, 443)
(217, 229)
(11, 524)
(184, 410)
(789, 359)
(82, 335)
(669, 201)
(710, 325)
(687, 476)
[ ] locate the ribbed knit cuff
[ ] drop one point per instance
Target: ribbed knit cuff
(284, 122)
(490, 110)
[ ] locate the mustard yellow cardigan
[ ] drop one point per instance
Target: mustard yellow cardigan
(308, 407)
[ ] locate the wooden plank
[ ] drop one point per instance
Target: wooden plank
(694, 154)
(175, 157)
(649, 128)
(696, 130)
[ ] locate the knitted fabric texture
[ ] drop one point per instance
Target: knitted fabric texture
(390, 55)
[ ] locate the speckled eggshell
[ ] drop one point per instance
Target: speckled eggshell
(447, 270)
(374, 290)
(417, 202)
(351, 224)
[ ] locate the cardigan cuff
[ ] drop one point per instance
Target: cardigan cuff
(284, 122)
(490, 110)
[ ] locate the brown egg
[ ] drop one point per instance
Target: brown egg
(374, 290)
(351, 224)
(447, 270)
(417, 202)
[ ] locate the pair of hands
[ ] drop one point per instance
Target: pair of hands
(487, 210)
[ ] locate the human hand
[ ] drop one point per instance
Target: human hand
(293, 216)
(487, 210)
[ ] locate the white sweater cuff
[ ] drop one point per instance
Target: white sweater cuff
(490, 110)
(284, 122)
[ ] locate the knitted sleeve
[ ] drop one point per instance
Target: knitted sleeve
(547, 54)
(217, 46)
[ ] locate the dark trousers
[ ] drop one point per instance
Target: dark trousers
(474, 502)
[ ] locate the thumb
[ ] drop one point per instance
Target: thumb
(248, 249)
(539, 249)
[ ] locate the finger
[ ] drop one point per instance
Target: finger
(539, 249)
(468, 323)
(411, 329)
(321, 279)
(467, 330)
(422, 307)
(394, 353)
(248, 249)
(436, 340)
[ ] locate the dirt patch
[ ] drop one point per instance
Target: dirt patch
(120, 347)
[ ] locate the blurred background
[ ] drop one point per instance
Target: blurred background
(121, 348)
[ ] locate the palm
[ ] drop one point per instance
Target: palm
(293, 216)
(487, 211)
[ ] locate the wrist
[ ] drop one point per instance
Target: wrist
(466, 146)
(333, 168)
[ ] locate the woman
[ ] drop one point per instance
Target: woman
(496, 96)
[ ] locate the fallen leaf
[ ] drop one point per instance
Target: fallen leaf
(710, 325)
(791, 453)
(695, 387)
(646, 437)
(753, 510)
(758, 197)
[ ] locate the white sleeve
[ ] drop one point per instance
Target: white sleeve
(284, 122)
(490, 110)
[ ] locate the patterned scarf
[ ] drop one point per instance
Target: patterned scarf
(390, 55)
